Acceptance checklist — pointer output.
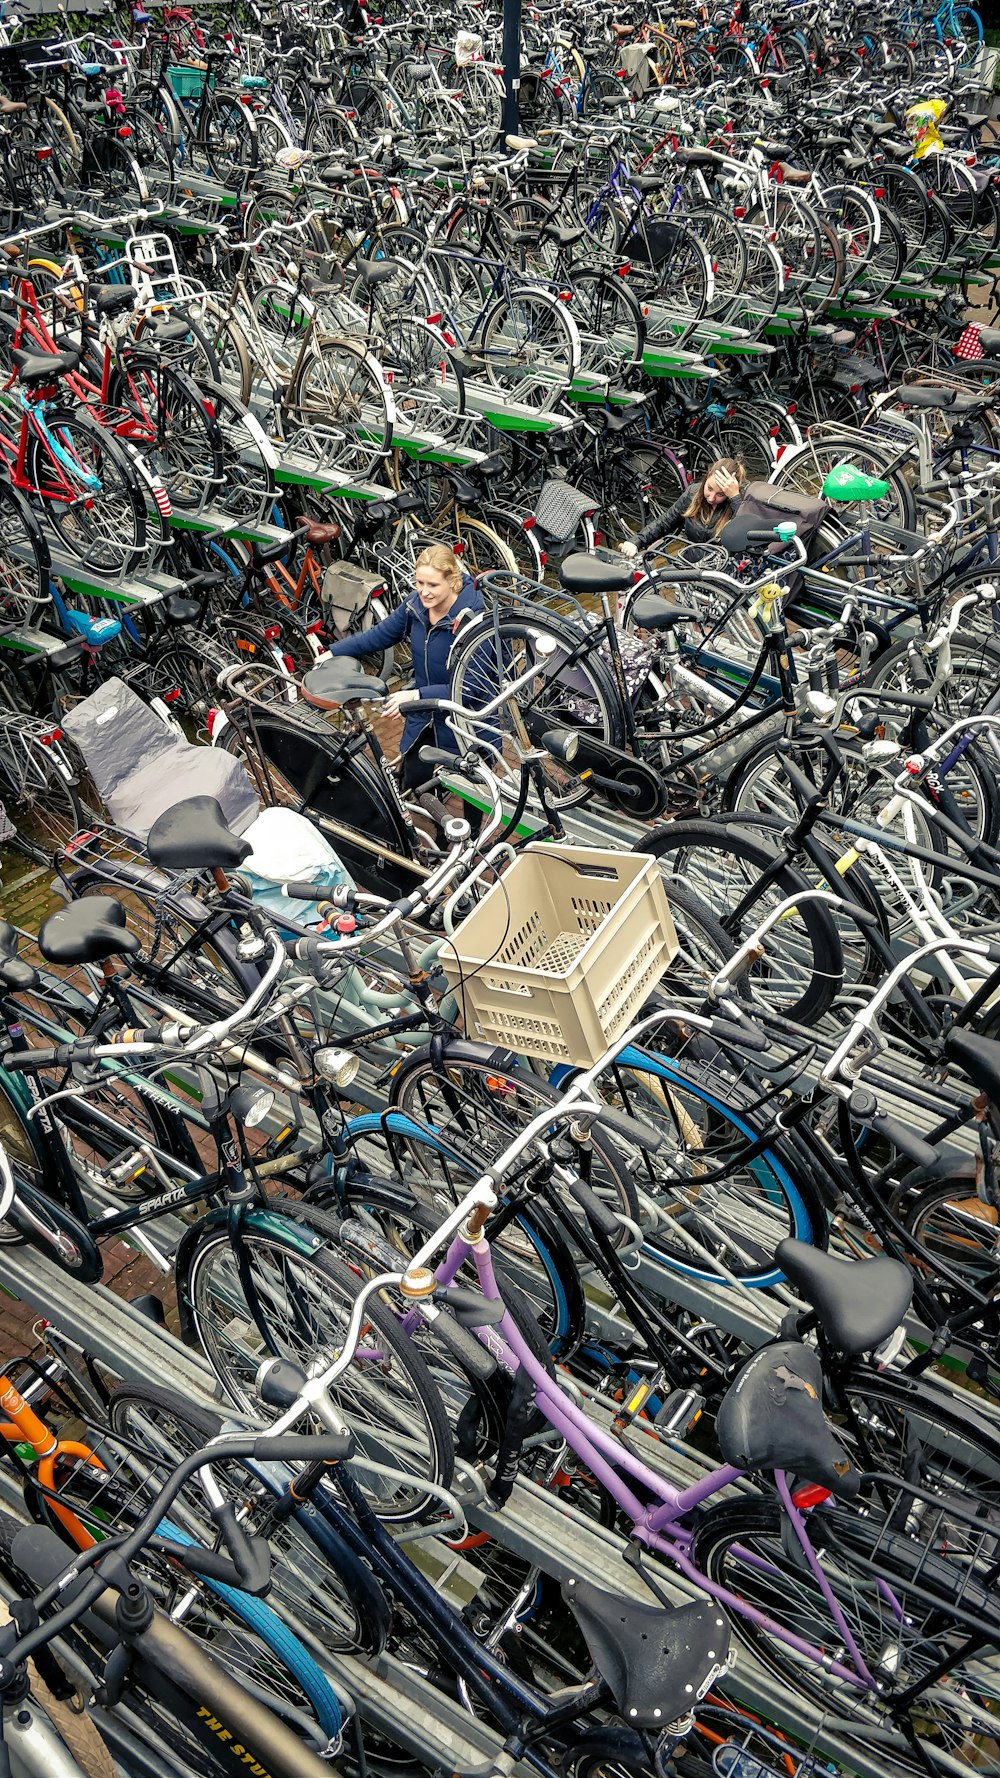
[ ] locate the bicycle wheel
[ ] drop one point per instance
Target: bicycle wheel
(899, 1634)
(528, 1246)
(177, 957)
(530, 346)
(173, 428)
(610, 322)
(476, 1107)
(340, 385)
(300, 1304)
(304, 768)
(24, 557)
(88, 492)
(37, 787)
(498, 650)
(807, 468)
(711, 1212)
(913, 1429)
(955, 1225)
(113, 179)
(342, 1605)
(231, 140)
(802, 971)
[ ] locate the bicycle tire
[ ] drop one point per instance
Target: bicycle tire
(758, 1569)
(530, 346)
(475, 1103)
(108, 532)
(815, 981)
(534, 1251)
(340, 384)
(162, 914)
(354, 1619)
(231, 141)
(418, 1435)
(186, 449)
(304, 768)
(496, 649)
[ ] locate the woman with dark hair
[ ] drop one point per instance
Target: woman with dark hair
(701, 511)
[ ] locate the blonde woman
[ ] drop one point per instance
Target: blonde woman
(700, 513)
(442, 598)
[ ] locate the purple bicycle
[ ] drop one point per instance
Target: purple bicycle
(873, 1597)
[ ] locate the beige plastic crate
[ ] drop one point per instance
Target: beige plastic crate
(562, 952)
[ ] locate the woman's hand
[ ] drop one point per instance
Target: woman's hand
(726, 483)
(399, 701)
(627, 549)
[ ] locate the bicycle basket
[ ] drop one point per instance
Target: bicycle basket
(652, 242)
(560, 507)
(347, 592)
(562, 952)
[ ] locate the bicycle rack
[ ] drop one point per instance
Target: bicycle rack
(535, 1525)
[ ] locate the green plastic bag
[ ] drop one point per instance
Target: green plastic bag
(846, 482)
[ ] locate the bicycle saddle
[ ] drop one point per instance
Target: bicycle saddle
(562, 234)
(772, 1417)
(42, 367)
(87, 932)
(656, 1663)
(112, 299)
(316, 531)
(194, 835)
(379, 271)
(978, 1057)
(858, 1302)
(168, 333)
(180, 610)
(924, 395)
(13, 973)
(588, 574)
(335, 682)
(650, 612)
(989, 339)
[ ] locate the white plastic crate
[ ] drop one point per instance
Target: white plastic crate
(562, 952)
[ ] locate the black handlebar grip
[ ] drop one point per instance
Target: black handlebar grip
(304, 1447)
(33, 1061)
(592, 1207)
(251, 1555)
(631, 1129)
(462, 1342)
(309, 891)
(744, 1037)
(438, 756)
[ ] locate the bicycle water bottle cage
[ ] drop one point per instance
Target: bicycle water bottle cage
(846, 482)
(94, 631)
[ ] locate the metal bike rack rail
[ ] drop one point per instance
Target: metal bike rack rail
(534, 1525)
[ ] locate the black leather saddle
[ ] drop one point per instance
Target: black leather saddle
(858, 1302)
(588, 574)
(978, 1057)
(193, 835)
(656, 1663)
(42, 367)
(112, 299)
(87, 931)
(337, 681)
(772, 1417)
(650, 612)
(13, 973)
